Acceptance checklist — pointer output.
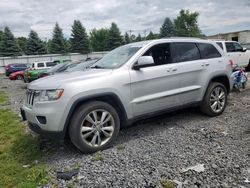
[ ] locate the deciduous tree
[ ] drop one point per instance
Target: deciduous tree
(186, 24)
(99, 39)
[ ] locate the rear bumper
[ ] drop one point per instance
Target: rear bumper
(12, 77)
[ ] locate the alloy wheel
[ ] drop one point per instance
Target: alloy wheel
(217, 99)
(97, 128)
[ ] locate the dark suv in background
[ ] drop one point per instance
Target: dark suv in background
(14, 68)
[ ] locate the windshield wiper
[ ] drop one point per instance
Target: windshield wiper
(97, 67)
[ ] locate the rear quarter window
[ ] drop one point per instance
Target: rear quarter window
(220, 45)
(208, 51)
(184, 51)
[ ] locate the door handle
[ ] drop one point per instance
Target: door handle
(207, 64)
(168, 70)
(174, 69)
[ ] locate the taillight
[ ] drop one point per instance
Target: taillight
(231, 63)
(28, 74)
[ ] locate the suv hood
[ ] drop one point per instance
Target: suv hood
(57, 80)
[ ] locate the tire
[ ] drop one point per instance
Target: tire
(248, 66)
(19, 77)
(87, 122)
(244, 85)
(26, 80)
(209, 105)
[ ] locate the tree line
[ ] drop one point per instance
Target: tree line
(184, 25)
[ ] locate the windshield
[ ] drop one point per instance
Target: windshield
(117, 57)
(57, 67)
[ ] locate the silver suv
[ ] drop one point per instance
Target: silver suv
(132, 82)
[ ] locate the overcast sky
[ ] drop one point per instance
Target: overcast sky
(216, 16)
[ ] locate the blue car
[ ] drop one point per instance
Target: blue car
(14, 68)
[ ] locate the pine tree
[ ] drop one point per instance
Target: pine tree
(115, 39)
(35, 45)
(138, 38)
(58, 44)
(22, 42)
(79, 38)
(9, 45)
(167, 29)
(127, 38)
(1, 35)
(151, 36)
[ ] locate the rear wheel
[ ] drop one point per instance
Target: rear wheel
(215, 100)
(19, 77)
(248, 66)
(94, 126)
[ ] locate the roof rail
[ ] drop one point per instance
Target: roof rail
(180, 38)
(216, 39)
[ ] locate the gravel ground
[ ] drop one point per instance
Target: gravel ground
(161, 149)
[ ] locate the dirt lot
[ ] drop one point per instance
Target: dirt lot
(161, 150)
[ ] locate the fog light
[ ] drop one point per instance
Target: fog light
(41, 119)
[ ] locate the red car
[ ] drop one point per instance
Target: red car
(17, 75)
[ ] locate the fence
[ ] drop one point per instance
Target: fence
(48, 57)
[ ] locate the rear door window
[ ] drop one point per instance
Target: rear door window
(50, 64)
(184, 51)
(40, 65)
(230, 47)
(208, 51)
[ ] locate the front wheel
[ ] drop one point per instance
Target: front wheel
(215, 99)
(94, 126)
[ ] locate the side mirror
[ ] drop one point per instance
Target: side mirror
(244, 49)
(143, 61)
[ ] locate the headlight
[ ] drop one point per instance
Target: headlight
(48, 95)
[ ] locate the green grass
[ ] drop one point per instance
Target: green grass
(167, 184)
(18, 148)
(98, 157)
(121, 147)
(3, 97)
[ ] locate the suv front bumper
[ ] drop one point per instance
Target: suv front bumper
(50, 128)
(46, 134)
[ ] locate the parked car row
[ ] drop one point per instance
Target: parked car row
(47, 68)
(11, 68)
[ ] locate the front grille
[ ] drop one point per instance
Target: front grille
(30, 96)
